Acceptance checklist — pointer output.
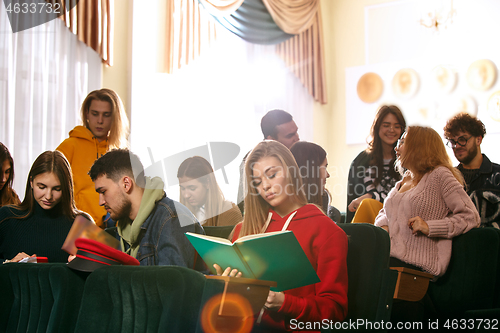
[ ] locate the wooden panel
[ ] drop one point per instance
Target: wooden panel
(412, 284)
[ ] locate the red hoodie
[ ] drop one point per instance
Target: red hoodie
(325, 244)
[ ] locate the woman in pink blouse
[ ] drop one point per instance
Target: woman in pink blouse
(427, 208)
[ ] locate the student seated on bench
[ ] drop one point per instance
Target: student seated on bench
(150, 225)
(7, 194)
(465, 134)
(276, 195)
(371, 175)
(200, 193)
(40, 224)
(312, 162)
(425, 210)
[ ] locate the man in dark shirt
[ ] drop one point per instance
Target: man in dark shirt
(465, 134)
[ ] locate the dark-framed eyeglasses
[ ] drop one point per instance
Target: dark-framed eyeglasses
(461, 141)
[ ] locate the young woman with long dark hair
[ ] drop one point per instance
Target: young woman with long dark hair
(372, 174)
(312, 162)
(39, 225)
(200, 193)
(7, 194)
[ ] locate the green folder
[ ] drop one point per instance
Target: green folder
(274, 256)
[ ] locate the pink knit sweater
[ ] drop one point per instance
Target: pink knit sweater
(442, 203)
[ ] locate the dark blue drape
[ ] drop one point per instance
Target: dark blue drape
(252, 22)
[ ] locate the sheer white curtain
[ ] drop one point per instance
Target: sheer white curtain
(45, 73)
(221, 96)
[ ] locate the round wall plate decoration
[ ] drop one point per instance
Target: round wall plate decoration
(481, 74)
(370, 87)
(444, 78)
(467, 104)
(494, 106)
(405, 83)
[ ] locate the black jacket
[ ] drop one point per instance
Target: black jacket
(355, 180)
(484, 190)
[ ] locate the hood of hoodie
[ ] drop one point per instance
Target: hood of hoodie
(131, 232)
(82, 132)
(303, 213)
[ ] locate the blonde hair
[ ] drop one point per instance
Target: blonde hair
(197, 167)
(118, 134)
(256, 208)
(424, 151)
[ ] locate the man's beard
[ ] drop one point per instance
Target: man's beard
(471, 154)
(122, 210)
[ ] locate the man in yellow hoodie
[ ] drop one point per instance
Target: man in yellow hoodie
(105, 127)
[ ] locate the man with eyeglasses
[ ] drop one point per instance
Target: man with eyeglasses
(465, 134)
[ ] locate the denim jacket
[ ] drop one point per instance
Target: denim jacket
(163, 241)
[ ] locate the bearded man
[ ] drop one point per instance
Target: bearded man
(465, 134)
(150, 225)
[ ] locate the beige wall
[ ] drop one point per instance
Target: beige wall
(117, 77)
(343, 28)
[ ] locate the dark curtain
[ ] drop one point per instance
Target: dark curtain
(252, 22)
